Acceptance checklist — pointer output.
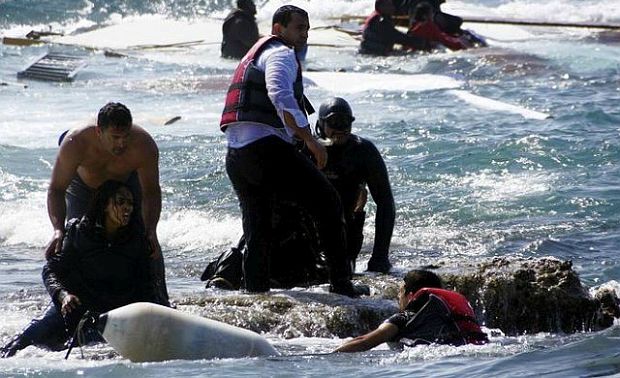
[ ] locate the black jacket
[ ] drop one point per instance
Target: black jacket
(103, 274)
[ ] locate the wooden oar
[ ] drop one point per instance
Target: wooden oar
(542, 23)
(404, 21)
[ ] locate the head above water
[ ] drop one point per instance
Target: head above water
(291, 24)
(112, 205)
(335, 117)
(114, 114)
(385, 7)
(413, 281)
(114, 127)
(422, 12)
(418, 278)
(247, 5)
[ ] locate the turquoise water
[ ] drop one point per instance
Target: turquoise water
(470, 182)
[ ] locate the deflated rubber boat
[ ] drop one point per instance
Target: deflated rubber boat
(146, 332)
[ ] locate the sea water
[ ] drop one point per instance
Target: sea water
(471, 182)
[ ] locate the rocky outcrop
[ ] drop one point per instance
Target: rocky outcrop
(516, 296)
(534, 295)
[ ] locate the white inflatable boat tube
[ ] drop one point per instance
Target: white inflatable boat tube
(146, 332)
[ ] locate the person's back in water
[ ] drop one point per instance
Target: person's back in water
(239, 30)
(380, 35)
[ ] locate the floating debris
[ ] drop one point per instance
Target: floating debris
(53, 67)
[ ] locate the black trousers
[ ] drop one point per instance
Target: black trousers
(50, 331)
(268, 169)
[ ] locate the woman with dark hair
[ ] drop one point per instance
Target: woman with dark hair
(103, 265)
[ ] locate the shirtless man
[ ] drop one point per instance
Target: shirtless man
(112, 149)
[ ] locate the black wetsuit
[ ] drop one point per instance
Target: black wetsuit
(103, 274)
(239, 33)
(350, 168)
(380, 35)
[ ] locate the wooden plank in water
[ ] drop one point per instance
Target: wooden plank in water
(53, 67)
(21, 41)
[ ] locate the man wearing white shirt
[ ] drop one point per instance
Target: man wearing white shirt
(265, 113)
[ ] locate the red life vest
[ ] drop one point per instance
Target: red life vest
(429, 31)
(247, 98)
(461, 311)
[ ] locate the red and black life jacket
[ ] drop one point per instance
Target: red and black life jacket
(247, 98)
(461, 313)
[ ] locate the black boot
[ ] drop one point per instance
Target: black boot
(380, 265)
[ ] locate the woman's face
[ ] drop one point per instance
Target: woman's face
(119, 208)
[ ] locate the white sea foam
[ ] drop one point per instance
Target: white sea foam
(195, 229)
(25, 222)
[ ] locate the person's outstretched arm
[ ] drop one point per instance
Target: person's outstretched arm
(69, 157)
(385, 332)
(148, 173)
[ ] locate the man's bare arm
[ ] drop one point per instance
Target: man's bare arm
(65, 168)
(148, 174)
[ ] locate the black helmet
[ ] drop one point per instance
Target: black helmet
(335, 113)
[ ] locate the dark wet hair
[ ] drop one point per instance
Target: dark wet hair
(245, 4)
(114, 114)
(422, 12)
(284, 14)
(96, 210)
(417, 279)
(379, 4)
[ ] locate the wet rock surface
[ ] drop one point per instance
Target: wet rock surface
(516, 296)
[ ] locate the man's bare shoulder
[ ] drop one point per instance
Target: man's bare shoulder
(142, 137)
(80, 134)
(78, 139)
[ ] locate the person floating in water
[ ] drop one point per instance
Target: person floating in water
(103, 265)
(428, 314)
(239, 31)
(380, 35)
(425, 21)
(423, 26)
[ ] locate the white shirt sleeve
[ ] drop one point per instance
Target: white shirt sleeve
(280, 66)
